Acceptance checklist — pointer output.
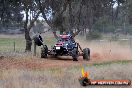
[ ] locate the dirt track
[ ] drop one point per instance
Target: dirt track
(39, 63)
(30, 62)
(98, 55)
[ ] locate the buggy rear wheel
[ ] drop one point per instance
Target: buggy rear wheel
(86, 54)
(44, 51)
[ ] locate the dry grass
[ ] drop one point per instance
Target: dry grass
(66, 77)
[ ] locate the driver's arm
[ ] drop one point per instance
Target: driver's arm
(76, 33)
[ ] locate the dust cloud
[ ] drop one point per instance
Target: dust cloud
(107, 50)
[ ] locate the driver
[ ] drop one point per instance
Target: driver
(64, 33)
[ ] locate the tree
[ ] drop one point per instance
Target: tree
(65, 15)
(10, 12)
(27, 7)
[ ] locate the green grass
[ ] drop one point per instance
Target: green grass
(7, 44)
(113, 62)
(10, 41)
(101, 64)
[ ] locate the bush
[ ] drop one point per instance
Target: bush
(114, 37)
(93, 35)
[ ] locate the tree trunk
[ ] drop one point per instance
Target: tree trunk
(28, 40)
(27, 37)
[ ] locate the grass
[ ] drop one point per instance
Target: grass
(66, 77)
(7, 44)
(113, 62)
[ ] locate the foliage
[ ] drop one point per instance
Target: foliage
(103, 25)
(93, 35)
(114, 37)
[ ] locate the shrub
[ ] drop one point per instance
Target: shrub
(114, 37)
(93, 35)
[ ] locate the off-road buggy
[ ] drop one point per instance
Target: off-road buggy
(65, 46)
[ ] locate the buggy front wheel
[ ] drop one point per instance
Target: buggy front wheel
(86, 54)
(44, 51)
(75, 54)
